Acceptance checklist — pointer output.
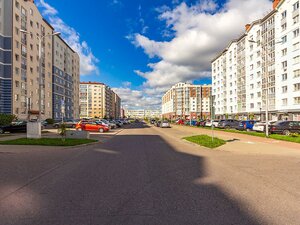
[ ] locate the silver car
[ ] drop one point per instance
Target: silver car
(165, 124)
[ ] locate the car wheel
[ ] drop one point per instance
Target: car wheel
(1, 131)
(227, 127)
(286, 132)
(101, 130)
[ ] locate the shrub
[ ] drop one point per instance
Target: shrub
(6, 119)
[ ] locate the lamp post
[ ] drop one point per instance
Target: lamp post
(267, 84)
(40, 39)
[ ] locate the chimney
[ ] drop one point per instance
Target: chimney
(275, 3)
(247, 26)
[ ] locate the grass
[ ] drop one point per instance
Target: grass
(48, 142)
(285, 138)
(258, 134)
(206, 141)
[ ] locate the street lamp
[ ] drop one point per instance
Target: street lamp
(267, 86)
(41, 39)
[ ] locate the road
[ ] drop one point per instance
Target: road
(147, 175)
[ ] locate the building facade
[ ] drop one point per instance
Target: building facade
(98, 100)
(142, 113)
(21, 25)
(259, 71)
(184, 100)
(65, 80)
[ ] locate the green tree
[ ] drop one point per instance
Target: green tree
(6, 119)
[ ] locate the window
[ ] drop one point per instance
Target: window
(296, 6)
(297, 87)
(30, 12)
(296, 33)
(258, 94)
(283, 15)
(296, 73)
(283, 27)
(284, 52)
(17, 4)
(284, 102)
(284, 39)
(284, 64)
(297, 100)
(297, 59)
(251, 105)
(284, 89)
(296, 19)
(284, 76)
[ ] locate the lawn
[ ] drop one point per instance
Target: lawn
(48, 142)
(258, 134)
(206, 141)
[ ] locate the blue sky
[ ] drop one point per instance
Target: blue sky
(142, 47)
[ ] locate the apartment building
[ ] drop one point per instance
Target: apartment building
(65, 80)
(184, 100)
(142, 113)
(21, 26)
(258, 71)
(98, 100)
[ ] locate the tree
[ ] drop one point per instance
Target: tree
(6, 119)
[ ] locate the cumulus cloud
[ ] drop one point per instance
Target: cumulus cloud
(88, 62)
(200, 31)
(136, 99)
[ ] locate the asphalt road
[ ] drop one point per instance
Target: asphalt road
(147, 176)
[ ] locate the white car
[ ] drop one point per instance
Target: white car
(208, 124)
(165, 124)
(261, 126)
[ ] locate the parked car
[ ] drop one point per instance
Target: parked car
(261, 126)
(208, 123)
(285, 127)
(246, 125)
(165, 124)
(157, 123)
(118, 123)
(215, 123)
(228, 124)
(92, 126)
(180, 122)
(14, 127)
(68, 124)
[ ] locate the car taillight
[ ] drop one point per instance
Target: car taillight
(273, 128)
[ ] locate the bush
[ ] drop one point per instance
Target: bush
(50, 121)
(6, 119)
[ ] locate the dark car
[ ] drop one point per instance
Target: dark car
(246, 125)
(228, 124)
(157, 123)
(68, 124)
(152, 121)
(14, 127)
(285, 127)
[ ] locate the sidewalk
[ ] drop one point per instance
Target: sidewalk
(241, 143)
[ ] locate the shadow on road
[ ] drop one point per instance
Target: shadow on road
(132, 179)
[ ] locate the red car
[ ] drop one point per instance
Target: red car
(180, 122)
(91, 126)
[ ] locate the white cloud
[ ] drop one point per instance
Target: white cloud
(135, 99)
(200, 32)
(88, 62)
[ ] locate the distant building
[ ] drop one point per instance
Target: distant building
(184, 100)
(143, 113)
(98, 100)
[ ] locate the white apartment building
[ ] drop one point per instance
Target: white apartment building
(142, 113)
(262, 66)
(184, 100)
